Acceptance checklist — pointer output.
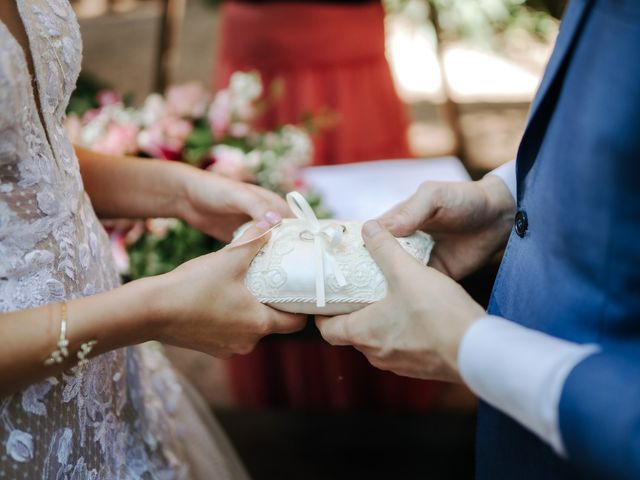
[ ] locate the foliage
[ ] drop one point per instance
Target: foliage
(485, 21)
(154, 254)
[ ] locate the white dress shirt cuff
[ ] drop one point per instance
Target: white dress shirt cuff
(521, 372)
(507, 172)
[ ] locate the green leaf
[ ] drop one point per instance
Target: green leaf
(155, 255)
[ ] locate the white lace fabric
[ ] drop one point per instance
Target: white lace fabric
(284, 272)
(117, 416)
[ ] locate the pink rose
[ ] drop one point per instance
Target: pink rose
(108, 97)
(118, 139)
(239, 129)
(176, 128)
(220, 114)
(289, 178)
(166, 138)
(90, 115)
(188, 100)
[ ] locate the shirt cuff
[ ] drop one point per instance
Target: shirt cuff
(521, 372)
(507, 172)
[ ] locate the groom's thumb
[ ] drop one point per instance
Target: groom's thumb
(383, 247)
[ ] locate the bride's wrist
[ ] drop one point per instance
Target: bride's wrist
(160, 307)
(180, 180)
(148, 307)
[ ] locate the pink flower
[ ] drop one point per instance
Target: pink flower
(176, 128)
(108, 97)
(188, 100)
(239, 129)
(289, 178)
(220, 114)
(230, 162)
(90, 115)
(118, 139)
(166, 138)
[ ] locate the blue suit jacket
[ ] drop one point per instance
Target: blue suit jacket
(575, 273)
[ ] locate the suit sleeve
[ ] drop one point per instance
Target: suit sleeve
(521, 372)
(599, 414)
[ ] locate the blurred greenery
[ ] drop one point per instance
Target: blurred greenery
(84, 96)
(156, 254)
(552, 7)
(484, 21)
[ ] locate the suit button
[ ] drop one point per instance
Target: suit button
(522, 223)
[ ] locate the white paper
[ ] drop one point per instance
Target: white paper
(360, 191)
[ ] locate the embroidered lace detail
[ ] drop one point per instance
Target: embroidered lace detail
(112, 418)
(284, 270)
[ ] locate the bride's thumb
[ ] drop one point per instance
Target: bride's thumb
(249, 243)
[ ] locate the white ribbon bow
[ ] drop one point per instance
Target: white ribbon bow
(325, 241)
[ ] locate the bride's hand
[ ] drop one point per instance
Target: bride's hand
(470, 221)
(218, 206)
(204, 304)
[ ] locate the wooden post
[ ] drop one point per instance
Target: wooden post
(168, 43)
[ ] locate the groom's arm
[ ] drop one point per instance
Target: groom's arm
(561, 391)
(582, 400)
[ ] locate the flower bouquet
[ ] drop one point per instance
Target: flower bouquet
(218, 133)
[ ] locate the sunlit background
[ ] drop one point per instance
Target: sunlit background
(490, 76)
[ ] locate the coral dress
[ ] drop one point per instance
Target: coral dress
(328, 54)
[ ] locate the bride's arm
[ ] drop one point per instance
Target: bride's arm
(114, 319)
(128, 187)
(202, 305)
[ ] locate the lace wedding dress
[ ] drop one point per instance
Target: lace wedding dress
(125, 415)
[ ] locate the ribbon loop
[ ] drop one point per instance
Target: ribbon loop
(325, 240)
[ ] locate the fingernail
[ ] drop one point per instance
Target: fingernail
(371, 228)
(263, 225)
(273, 218)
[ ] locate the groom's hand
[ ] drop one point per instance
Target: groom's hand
(470, 221)
(416, 329)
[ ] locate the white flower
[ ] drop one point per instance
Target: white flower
(244, 90)
(153, 110)
(246, 86)
(253, 159)
(20, 446)
(299, 143)
(188, 100)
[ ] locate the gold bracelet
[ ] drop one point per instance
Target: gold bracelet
(62, 352)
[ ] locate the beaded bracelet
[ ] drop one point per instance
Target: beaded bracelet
(62, 352)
